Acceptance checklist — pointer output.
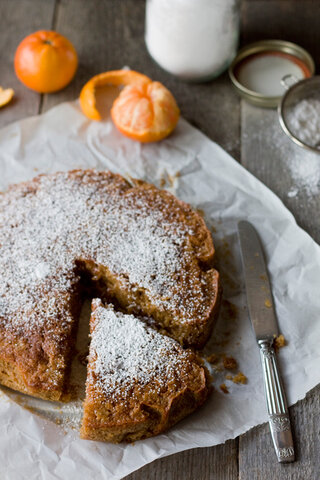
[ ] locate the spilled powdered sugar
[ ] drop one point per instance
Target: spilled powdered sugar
(268, 139)
(124, 351)
(68, 217)
(303, 120)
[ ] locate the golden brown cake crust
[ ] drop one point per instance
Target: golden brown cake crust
(142, 248)
(139, 382)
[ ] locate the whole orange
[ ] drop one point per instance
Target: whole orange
(45, 61)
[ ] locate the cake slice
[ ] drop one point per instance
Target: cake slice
(139, 382)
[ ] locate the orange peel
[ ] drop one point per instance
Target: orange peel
(114, 78)
(6, 96)
(144, 110)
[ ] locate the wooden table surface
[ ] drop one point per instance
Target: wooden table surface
(109, 34)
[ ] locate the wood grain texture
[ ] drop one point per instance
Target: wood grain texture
(290, 172)
(293, 20)
(19, 18)
(109, 34)
(264, 152)
(216, 463)
(257, 460)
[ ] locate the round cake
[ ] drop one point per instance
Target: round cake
(71, 234)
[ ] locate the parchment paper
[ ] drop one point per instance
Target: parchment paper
(201, 173)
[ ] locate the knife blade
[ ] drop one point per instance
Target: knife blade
(264, 322)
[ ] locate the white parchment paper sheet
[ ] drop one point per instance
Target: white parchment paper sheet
(201, 173)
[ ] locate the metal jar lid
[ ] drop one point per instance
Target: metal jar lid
(258, 68)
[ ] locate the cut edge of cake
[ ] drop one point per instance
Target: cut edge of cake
(29, 363)
(140, 383)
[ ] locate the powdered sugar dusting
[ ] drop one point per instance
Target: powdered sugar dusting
(124, 351)
(304, 121)
(51, 223)
(302, 165)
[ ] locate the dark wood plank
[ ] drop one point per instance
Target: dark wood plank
(271, 157)
(109, 34)
(215, 463)
(293, 20)
(263, 150)
(257, 459)
(290, 171)
(19, 18)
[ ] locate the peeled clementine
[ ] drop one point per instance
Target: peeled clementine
(45, 61)
(144, 110)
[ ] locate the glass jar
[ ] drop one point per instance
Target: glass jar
(195, 40)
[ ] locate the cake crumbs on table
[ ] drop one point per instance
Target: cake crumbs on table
(162, 182)
(223, 387)
(279, 342)
(213, 358)
(240, 378)
(230, 363)
(268, 303)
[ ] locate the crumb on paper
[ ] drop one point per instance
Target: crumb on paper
(240, 378)
(218, 368)
(224, 388)
(267, 303)
(229, 363)
(279, 342)
(200, 211)
(213, 358)
(162, 182)
(168, 179)
(229, 377)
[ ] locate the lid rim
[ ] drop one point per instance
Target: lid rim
(283, 123)
(264, 46)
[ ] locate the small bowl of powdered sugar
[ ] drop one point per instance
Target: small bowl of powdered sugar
(299, 112)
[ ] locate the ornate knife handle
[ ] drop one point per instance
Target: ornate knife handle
(279, 420)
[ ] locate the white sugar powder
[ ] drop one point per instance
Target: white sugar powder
(124, 351)
(303, 120)
(76, 216)
(194, 39)
(265, 135)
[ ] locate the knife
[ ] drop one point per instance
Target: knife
(264, 322)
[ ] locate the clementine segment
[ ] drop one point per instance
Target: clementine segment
(144, 110)
(45, 61)
(5, 96)
(147, 113)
